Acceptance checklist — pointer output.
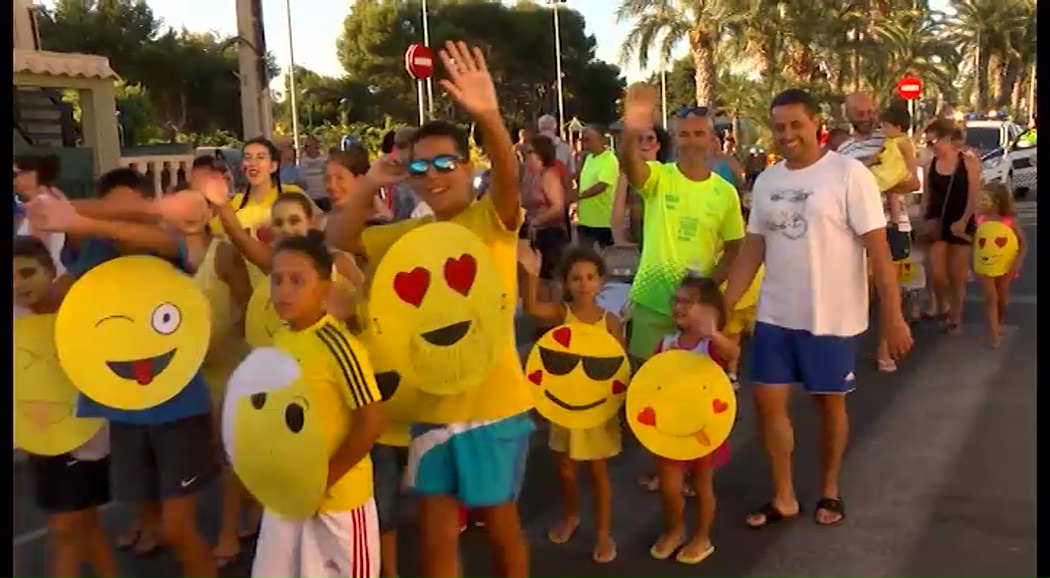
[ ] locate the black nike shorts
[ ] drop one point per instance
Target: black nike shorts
(64, 484)
(167, 460)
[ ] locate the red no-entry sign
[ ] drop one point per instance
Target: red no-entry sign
(909, 88)
(419, 61)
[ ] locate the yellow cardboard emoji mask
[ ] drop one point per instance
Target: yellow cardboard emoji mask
(995, 247)
(132, 332)
(681, 405)
(750, 297)
(44, 398)
(275, 444)
(580, 373)
(905, 271)
(261, 322)
(438, 307)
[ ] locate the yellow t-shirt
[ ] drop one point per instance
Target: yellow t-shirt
(686, 225)
(226, 348)
(504, 392)
(596, 211)
(338, 373)
(254, 214)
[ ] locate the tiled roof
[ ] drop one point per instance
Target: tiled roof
(62, 64)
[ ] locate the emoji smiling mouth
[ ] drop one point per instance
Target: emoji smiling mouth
(447, 335)
(45, 413)
(388, 382)
(141, 371)
(570, 406)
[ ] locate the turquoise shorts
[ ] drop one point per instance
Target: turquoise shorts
(479, 463)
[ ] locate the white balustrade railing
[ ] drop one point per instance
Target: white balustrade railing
(162, 169)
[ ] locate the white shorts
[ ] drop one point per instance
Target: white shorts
(335, 544)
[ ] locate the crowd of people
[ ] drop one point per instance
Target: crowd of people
(817, 233)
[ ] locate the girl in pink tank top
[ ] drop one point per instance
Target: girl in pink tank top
(997, 204)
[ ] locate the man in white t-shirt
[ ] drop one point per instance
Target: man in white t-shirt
(311, 169)
(814, 215)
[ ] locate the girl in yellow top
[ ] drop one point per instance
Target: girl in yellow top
(261, 164)
(291, 216)
(582, 275)
(342, 539)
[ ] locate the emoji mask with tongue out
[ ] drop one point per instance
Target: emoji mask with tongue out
(44, 398)
(995, 247)
(681, 405)
(438, 307)
(132, 332)
(579, 375)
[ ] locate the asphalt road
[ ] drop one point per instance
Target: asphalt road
(939, 478)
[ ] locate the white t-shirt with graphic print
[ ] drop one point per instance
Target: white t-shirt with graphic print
(812, 220)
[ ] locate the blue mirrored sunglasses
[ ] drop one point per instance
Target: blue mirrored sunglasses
(687, 111)
(441, 164)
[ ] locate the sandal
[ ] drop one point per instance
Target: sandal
(886, 365)
(664, 549)
(771, 516)
(649, 483)
(563, 534)
(686, 558)
(604, 557)
(833, 505)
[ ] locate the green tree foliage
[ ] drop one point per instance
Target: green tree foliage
(518, 43)
(175, 82)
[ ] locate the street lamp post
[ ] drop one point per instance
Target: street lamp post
(663, 88)
(557, 61)
(426, 42)
(291, 81)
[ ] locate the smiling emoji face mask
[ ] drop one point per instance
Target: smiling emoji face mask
(995, 247)
(261, 322)
(438, 307)
(681, 405)
(275, 443)
(132, 332)
(580, 374)
(44, 398)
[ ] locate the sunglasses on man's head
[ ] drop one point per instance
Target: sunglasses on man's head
(441, 164)
(687, 111)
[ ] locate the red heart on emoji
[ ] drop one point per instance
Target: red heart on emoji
(719, 406)
(536, 377)
(563, 335)
(264, 234)
(981, 242)
(460, 273)
(618, 387)
(1000, 242)
(411, 286)
(647, 417)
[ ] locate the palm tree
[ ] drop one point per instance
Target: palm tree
(662, 24)
(980, 28)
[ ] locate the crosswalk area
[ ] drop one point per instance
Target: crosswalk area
(1027, 214)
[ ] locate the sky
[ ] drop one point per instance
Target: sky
(317, 23)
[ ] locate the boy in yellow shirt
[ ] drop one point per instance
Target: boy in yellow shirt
(342, 539)
(471, 447)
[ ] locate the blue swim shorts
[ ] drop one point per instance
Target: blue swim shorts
(479, 463)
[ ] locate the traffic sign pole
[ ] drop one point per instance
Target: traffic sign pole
(419, 64)
(909, 88)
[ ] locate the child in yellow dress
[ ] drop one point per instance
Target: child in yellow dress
(582, 275)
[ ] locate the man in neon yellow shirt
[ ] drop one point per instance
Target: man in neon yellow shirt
(692, 216)
(598, 179)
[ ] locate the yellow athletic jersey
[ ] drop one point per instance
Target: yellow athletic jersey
(226, 348)
(504, 392)
(339, 375)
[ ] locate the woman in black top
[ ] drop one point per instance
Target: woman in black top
(951, 191)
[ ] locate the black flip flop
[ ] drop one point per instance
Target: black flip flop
(833, 505)
(771, 515)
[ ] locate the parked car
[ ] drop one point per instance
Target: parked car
(1013, 166)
